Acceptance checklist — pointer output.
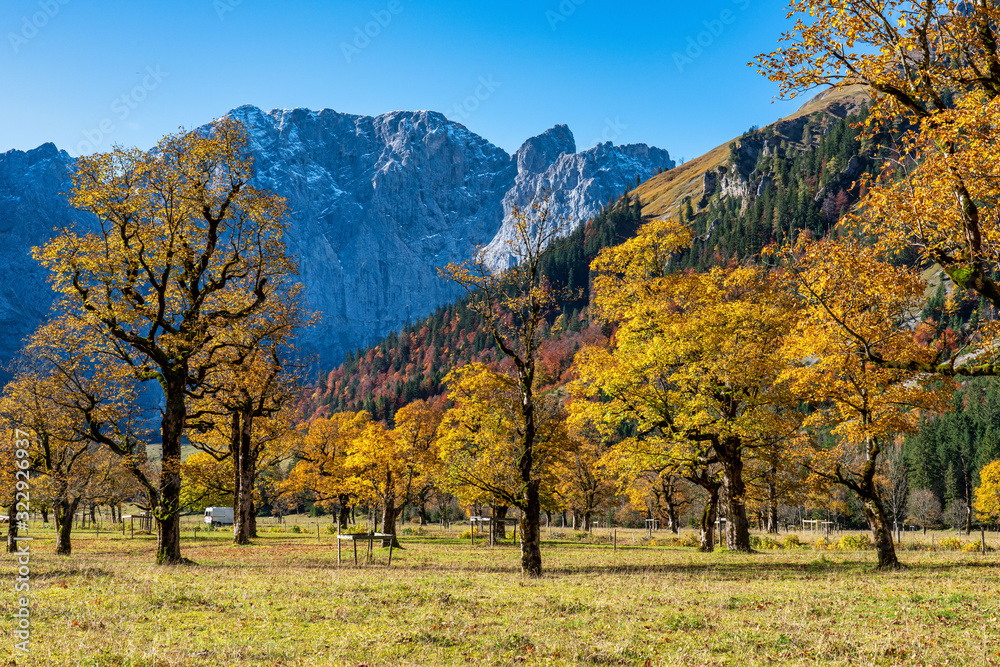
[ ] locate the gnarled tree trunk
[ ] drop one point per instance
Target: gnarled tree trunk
(737, 525)
(345, 511)
(881, 533)
(65, 510)
(167, 509)
(706, 541)
(243, 470)
(531, 537)
(12, 528)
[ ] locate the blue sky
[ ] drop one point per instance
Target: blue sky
(87, 74)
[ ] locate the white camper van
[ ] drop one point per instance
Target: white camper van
(219, 516)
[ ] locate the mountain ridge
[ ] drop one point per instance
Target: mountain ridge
(377, 204)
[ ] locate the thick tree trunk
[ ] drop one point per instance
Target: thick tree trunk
(669, 508)
(65, 510)
(706, 543)
(498, 513)
(167, 509)
(12, 528)
(737, 525)
(586, 520)
(45, 514)
(881, 529)
(531, 536)
(389, 511)
(867, 492)
(771, 511)
(345, 511)
(243, 467)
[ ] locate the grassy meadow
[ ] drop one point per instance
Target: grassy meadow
(284, 601)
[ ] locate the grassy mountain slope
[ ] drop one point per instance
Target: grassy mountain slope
(664, 194)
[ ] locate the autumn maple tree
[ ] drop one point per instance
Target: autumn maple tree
(582, 483)
(694, 364)
(415, 429)
(321, 470)
(183, 249)
(513, 305)
(68, 467)
(245, 416)
(388, 467)
(855, 307)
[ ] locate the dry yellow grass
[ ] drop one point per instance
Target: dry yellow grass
(284, 601)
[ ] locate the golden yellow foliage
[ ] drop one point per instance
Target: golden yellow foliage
(987, 501)
(480, 438)
(693, 368)
(206, 482)
(322, 470)
(932, 69)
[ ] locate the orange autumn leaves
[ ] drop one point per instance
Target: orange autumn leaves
(349, 456)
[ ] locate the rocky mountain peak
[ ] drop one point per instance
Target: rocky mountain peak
(537, 153)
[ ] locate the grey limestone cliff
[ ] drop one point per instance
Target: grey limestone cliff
(377, 205)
